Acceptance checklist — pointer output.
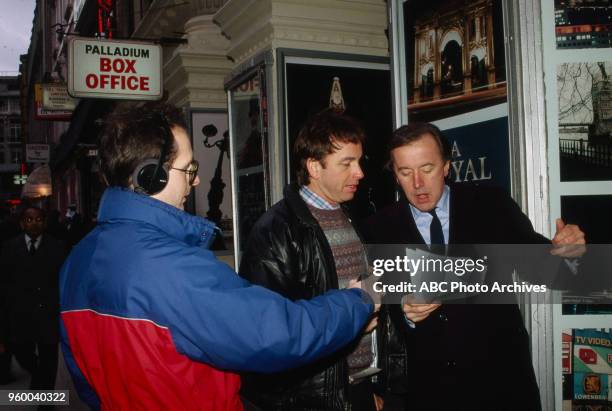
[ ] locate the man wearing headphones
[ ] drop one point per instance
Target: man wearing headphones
(149, 318)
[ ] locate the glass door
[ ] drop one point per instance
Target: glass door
(248, 112)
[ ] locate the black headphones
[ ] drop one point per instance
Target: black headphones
(151, 175)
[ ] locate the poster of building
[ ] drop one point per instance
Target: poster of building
(584, 92)
(456, 78)
(583, 24)
(455, 61)
(587, 384)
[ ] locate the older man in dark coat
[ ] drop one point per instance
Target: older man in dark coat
(30, 265)
(454, 356)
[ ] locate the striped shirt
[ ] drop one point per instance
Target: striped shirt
(315, 200)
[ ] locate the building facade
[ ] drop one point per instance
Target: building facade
(11, 148)
(255, 69)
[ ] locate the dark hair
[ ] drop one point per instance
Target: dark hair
(133, 133)
(415, 131)
(318, 138)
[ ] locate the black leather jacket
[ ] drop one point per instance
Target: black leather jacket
(288, 252)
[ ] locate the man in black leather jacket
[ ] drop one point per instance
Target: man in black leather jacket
(305, 245)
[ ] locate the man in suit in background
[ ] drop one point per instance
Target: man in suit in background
(453, 356)
(30, 265)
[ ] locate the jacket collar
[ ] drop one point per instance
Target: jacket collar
(123, 204)
(297, 204)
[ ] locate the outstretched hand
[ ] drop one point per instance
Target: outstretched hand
(569, 241)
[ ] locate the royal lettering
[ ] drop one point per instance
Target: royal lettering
(470, 169)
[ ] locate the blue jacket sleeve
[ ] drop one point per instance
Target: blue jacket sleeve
(216, 317)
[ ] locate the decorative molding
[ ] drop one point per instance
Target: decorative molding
(343, 26)
(195, 71)
(200, 7)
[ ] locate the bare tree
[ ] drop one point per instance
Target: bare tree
(574, 84)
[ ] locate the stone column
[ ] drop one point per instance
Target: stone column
(194, 73)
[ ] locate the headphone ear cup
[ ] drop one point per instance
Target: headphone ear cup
(149, 178)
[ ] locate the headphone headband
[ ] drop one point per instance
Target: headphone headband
(151, 175)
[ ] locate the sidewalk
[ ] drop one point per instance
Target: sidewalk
(63, 382)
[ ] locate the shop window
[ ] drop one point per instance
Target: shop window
(14, 106)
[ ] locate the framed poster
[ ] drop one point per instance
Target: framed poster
(364, 84)
(581, 24)
(213, 196)
(584, 91)
(455, 60)
(450, 70)
(587, 368)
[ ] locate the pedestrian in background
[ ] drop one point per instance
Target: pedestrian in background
(30, 265)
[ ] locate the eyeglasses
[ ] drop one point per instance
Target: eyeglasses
(191, 170)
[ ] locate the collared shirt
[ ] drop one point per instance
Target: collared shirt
(315, 200)
(28, 239)
(423, 219)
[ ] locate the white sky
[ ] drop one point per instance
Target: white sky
(15, 31)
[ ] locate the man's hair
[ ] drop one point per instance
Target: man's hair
(415, 131)
(133, 133)
(319, 137)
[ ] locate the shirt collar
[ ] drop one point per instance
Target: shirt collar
(315, 200)
(36, 242)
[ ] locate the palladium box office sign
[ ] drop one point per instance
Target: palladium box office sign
(111, 69)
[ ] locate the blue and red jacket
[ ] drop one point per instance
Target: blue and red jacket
(150, 319)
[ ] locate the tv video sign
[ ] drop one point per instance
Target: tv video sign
(111, 69)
